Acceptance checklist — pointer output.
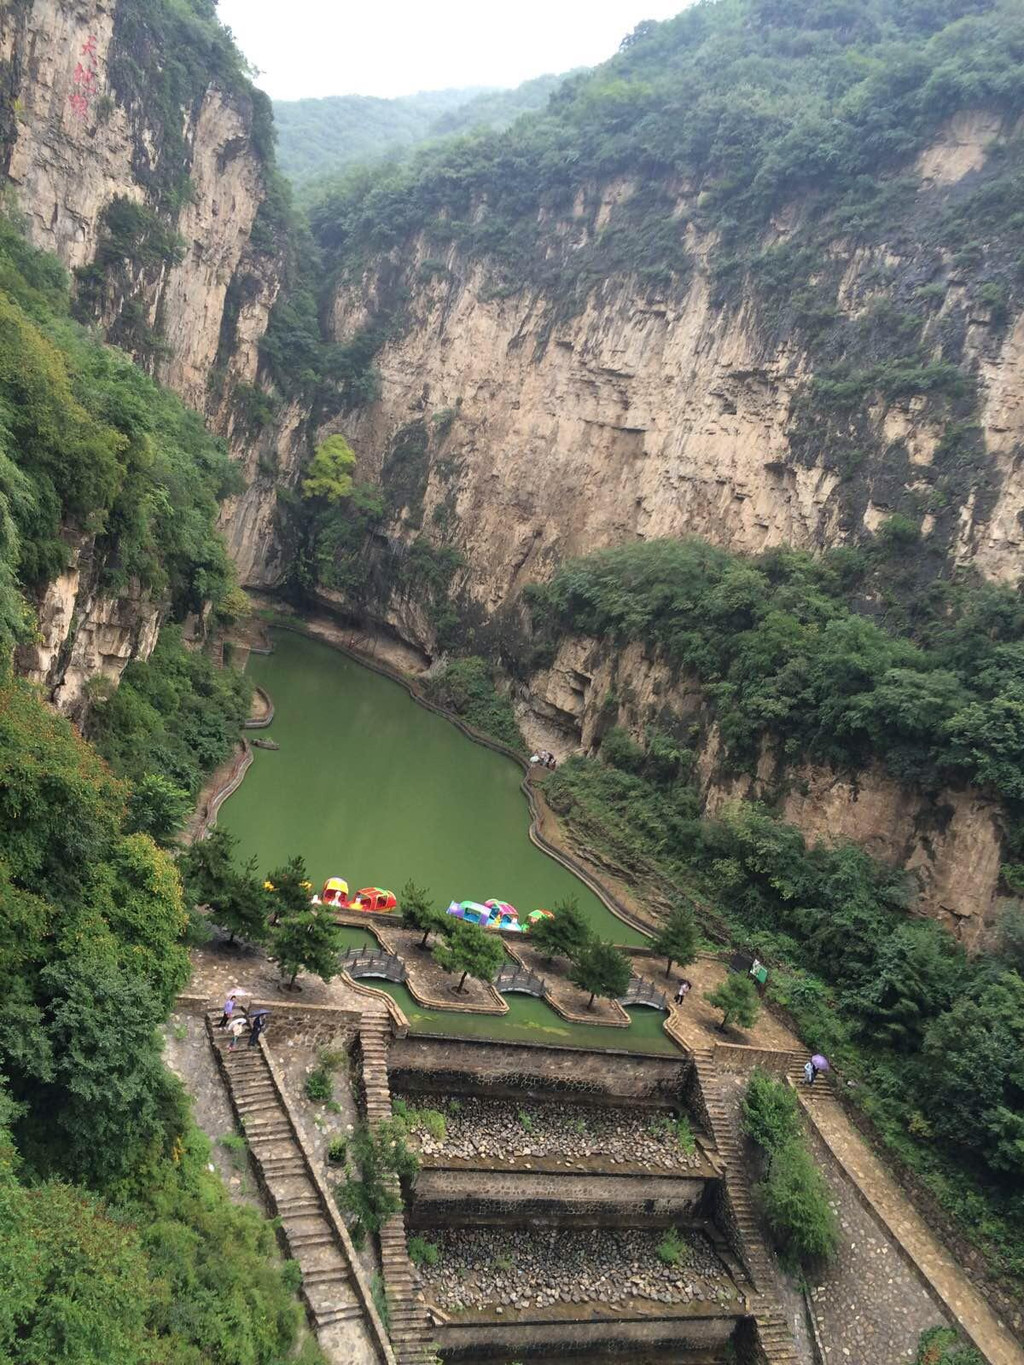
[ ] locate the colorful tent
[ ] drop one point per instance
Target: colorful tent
(535, 916)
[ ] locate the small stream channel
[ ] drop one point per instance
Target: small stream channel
(372, 787)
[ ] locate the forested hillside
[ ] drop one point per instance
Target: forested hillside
(118, 1241)
(320, 139)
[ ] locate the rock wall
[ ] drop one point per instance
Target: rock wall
(950, 840)
(640, 417)
(72, 146)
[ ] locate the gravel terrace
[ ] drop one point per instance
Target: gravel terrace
(490, 1270)
(481, 1131)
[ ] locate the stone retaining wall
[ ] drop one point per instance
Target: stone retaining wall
(669, 1338)
(312, 1025)
(481, 1066)
(520, 1199)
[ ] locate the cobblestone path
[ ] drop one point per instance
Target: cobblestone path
(964, 1304)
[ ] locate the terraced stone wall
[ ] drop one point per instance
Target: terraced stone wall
(464, 1066)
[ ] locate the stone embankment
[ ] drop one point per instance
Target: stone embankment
(498, 1270)
(487, 1131)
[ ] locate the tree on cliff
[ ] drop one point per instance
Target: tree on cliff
(564, 936)
(238, 901)
(158, 807)
(330, 474)
(677, 939)
(306, 940)
(737, 998)
(602, 969)
(468, 949)
(383, 1158)
(418, 913)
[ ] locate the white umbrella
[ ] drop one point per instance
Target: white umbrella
(237, 990)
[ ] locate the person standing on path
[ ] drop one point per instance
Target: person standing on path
(229, 1009)
(810, 1071)
(684, 989)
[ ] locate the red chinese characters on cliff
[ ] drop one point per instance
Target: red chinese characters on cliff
(86, 80)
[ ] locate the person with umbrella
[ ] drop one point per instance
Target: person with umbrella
(813, 1066)
(258, 1022)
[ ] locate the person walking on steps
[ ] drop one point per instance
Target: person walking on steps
(229, 1009)
(236, 1028)
(810, 1071)
(259, 1023)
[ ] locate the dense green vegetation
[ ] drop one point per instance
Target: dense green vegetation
(750, 101)
(89, 445)
(145, 1257)
(118, 1242)
(793, 1194)
(173, 717)
(943, 1346)
(320, 139)
(466, 688)
(782, 656)
(932, 1040)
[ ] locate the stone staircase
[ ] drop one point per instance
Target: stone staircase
(773, 1331)
(818, 1093)
(410, 1322)
(310, 1234)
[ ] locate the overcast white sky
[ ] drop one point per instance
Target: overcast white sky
(396, 47)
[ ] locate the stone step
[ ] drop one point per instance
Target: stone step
(347, 1313)
(304, 1241)
(313, 1279)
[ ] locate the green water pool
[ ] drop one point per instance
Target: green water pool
(371, 787)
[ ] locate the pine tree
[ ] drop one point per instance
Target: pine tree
(468, 949)
(737, 998)
(306, 940)
(602, 969)
(418, 913)
(564, 936)
(677, 938)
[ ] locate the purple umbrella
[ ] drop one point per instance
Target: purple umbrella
(819, 1062)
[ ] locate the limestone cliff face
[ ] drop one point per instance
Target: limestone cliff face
(638, 418)
(643, 417)
(948, 840)
(75, 144)
(84, 634)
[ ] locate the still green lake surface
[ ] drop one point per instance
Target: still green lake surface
(373, 788)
